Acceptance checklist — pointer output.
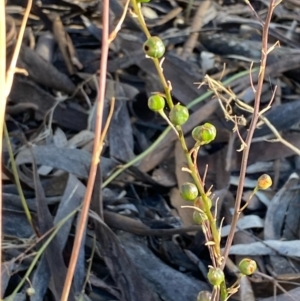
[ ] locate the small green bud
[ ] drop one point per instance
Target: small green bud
(215, 276)
(156, 103)
(154, 47)
(179, 115)
(199, 217)
(189, 191)
(205, 133)
(204, 296)
(264, 182)
(247, 266)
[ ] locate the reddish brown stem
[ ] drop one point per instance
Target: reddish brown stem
(96, 153)
(252, 127)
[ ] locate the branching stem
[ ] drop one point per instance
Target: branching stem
(252, 127)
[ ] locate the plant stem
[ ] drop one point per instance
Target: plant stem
(192, 167)
(40, 253)
(252, 127)
(137, 10)
(17, 180)
(164, 83)
(95, 156)
(206, 202)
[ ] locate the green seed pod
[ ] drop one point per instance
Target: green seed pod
(205, 133)
(247, 266)
(179, 115)
(199, 217)
(204, 296)
(156, 103)
(154, 47)
(264, 182)
(189, 191)
(215, 276)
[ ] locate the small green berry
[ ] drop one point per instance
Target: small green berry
(156, 103)
(215, 276)
(204, 296)
(264, 182)
(154, 47)
(199, 217)
(179, 115)
(247, 266)
(189, 191)
(205, 133)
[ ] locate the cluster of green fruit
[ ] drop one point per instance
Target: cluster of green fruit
(216, 276)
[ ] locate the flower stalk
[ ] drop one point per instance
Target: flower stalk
(203, 134)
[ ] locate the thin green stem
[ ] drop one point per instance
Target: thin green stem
(206, 202)
(137, 10)
(249, 199)
(40, 252)
(165, 117)
(17, 180)
(164, 83)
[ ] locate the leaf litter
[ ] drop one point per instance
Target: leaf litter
(142, 235)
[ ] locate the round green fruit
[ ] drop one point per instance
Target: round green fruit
(247, 266)
(156, 103)
(204, 296)
(154, 48)
(215, 276)
(205, 133)
(199, 217)
(179, 115)
(189, 191)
